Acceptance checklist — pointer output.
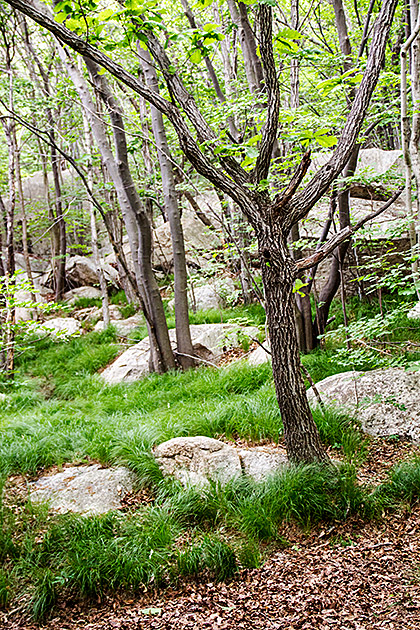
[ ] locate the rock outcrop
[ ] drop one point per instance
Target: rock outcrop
(133, 364)
(386, 401)
(83, 489)
(196, 460)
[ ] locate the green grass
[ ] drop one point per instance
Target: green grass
(186, 532)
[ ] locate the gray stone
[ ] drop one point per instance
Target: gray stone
(371, 161)
(133, 364)
(123, 326)
(59, 327)
(387, 401)
(196, 460)
(259, 356)
(81, 271)
(25, 310)
(414, 313)
(91, 293)
(259, 462)
(199, 243)
(215, 294)
(83, 489)
(93, 313)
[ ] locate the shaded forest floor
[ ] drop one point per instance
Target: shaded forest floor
(352, 577)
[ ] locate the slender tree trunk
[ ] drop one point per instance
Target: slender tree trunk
(183, 336)
(93, 227)
(138, 227)
(9, 324)
(24, 224)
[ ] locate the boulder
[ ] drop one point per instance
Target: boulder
(81, 271)
(261, 461)
(214, 295)
(414, 313)
(372, 161)
(25, 309)
(88, 292)
(199, 243)
(123, 326)
(386, 401)
(130, 366)
(133, 364)
(59, 327)
(259, 356)
(196, 460)
(83, 489)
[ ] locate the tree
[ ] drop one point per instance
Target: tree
(272, 216)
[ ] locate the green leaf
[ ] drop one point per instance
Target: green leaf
(196, 56)
(326, 141)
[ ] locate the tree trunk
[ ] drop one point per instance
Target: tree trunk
(332, 285)
(185, 348)
(279, 272)
(93, 227)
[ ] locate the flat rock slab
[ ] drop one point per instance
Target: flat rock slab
(387, 401)
(260, 462)
(84, 489)
(196, 460)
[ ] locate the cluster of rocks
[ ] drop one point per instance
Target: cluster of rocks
(194, 461)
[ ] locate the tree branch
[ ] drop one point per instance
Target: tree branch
(269, 132)
(40, 14)
(304, 201)
(343, 235)
(286, 195)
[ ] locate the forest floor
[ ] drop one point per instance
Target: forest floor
(352, 577)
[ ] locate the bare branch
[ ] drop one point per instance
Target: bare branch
(188, 144)
(286, 195)
(304, 201)
(343, 235)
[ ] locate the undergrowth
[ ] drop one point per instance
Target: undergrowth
(59, 410)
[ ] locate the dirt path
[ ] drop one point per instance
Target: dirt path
(357, 577)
